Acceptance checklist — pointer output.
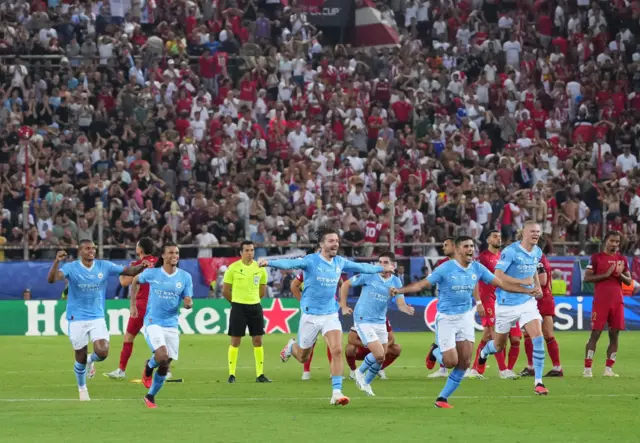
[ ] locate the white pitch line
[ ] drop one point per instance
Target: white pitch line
(241, 399)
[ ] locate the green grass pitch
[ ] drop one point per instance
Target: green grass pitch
(39, 400)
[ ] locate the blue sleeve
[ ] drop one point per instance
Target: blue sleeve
(362, 268)
(485, 275)
(67, 270)
(188, 286)
(358, 280)
(290, 263)
(144, 276)
(437, 276)
(506, 258)
(113, 269)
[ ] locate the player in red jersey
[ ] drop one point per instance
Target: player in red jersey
(144, 249)
(547, 309)
(296, 290)
(357, 351)
(607, 270)
(489, 258)
(449, 250)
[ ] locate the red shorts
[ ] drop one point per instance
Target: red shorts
(489, 304)
(547, 306)
(135, 324)
(362, 352)
(607, 313)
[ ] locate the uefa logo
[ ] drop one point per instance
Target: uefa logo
(430, 313)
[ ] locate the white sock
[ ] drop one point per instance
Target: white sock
(557, 368)
(537, 381)
(337, 392)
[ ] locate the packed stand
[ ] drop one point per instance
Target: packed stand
(212, 122)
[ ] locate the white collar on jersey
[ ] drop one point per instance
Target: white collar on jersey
(167, 274)
(93, 265)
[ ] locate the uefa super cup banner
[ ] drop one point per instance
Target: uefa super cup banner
(281, 315)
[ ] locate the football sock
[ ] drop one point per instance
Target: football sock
(125, 354)
(453, 381)
(538, 357)
(233, 359)
(611, 360)
(94, 358)
(158, 381)
(81, 374)
(502, 365)
(307, 364)
(368, 362)
(258, 354)
(437, 353)
(588, 361)
(389, 359)
(489, 348)
(336, 382)
(372, 372)
(554, 351)
(329, 354)
(481, 346)
(528, 349)
(351, 361)
(514, 352)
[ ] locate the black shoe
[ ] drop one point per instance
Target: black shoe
(232, 379)
(526, 372)
(554, 373)
(262, 379)
(148, 371)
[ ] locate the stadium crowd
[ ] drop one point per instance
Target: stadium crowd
(214, 121)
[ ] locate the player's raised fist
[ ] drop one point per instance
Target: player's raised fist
(393, 291)
(263, 262)
(61, 255)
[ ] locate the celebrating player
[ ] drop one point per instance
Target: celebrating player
(87, 279)
(144, 249)
(245, 283)
(547, 308)
(448, 249)
(168, 286)
(455, 334)
(357, 351)
(322, 273)
(369, 316)
(607, 270)
(519, 260)
(297, 284)
(489, 258)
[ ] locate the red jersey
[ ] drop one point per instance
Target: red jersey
(489, 260)
(372, 232)
(610, 288)
(143, 290)
(544, 267)
(442, 260)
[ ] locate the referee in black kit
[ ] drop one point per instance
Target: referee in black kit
(245, 283)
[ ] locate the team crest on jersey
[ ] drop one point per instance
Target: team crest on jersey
(256, 279)
(178, 285)
(100, 275)
(474, 277)
(338, 269)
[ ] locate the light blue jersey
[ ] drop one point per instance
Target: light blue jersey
(321, 278)
(374, 298)
(88, 288)
(166, 291)
(517, 262)
(456, 284)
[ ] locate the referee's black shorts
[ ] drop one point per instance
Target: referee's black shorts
(246, 315)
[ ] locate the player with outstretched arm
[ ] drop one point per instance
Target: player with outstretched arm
(319, 306)
(455, 332)
(370, 315)
(87, 278)
(168, 286)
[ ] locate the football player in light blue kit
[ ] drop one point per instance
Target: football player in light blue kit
(168, 287)
(370, 316)
(520, 260)
(87, 279)
(455, 332)
(319, 306)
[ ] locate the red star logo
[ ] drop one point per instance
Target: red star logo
(277, 317)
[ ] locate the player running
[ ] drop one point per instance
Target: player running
(87, 278)
(455, 333)
(369, 317)
(519, 260)
(357, 351)
(297, 284)
(448, 249)
(144, 251)
(168, 286)
(547, 308)
(607, 270)
(489, 258)
(319, 307)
